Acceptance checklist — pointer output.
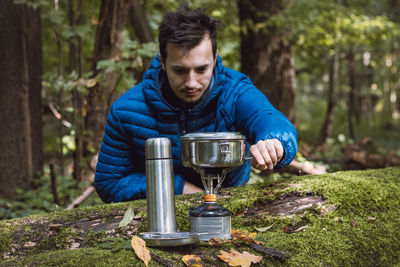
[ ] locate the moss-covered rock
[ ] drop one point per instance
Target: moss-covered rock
(349, 218)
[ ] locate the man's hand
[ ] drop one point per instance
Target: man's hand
(266, 154)
(189, 188)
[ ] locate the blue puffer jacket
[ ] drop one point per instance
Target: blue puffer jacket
(231, 104)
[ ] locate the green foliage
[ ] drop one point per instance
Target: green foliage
(34, 4)
(40, 200)
(133, 56)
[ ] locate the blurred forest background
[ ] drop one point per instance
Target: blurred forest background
(331, 66)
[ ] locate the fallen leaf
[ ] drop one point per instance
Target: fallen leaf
(29, 244)
(244, 236)
(241, 213)
(353, 223)
(236, 258)
(287, 229)
(192, 261)
(56, 226)
(139, 246)
(263, 229)
(128, 217)
(218, 241)
(75, 245)
(300, 228)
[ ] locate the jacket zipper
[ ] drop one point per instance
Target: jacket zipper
(183, 125)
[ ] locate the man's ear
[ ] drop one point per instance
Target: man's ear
(215, 57)
(162, 61)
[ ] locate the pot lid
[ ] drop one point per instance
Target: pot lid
(156, 239)
(213, 136)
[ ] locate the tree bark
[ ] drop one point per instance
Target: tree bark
(266, 53)
(76, 64)
(394, 7)
(326, 130)
(21, 155)
(140, 22)
(352, 94)
(109, 37)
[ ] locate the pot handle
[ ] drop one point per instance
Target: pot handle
(225, 148)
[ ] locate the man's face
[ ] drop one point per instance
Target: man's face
(189, 72)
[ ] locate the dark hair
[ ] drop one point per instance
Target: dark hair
(186, 28)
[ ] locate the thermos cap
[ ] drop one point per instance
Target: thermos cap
(158, 148)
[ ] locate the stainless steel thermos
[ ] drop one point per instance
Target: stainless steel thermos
(160, 191)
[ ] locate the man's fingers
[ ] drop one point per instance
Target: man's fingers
(279, 149)
(269, 144)
(258, 160)
(266, 154)
(267, 151)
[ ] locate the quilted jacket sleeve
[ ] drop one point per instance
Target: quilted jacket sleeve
(116, 179)
(259, 120)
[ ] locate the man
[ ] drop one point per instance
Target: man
(187, 89)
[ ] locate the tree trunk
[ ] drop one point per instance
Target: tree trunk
(141, 25)
(352, 84)
(140, 22)
(21, 155)
(394, 7)
(266, 53)
(326, 130)
(76, 64)
(110, 33)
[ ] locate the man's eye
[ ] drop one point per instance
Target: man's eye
(178, 71)
(201, 70)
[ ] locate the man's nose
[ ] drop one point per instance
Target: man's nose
(191, 80)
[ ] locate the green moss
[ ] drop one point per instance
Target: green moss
(6, 232)
(363, 229)
(52, 242)
(92, 238)
(79, 257)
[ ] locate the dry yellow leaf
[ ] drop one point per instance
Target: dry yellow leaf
(192, 261)
(245, 236)
(139, 246)
(94, 20)
(236, 258)
(91, 83)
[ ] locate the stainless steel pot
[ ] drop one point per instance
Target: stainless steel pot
(213, 150)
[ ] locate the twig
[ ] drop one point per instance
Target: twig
(59, 116)
(269, 251)
(88, 191)
(304, 168)
(161, 260)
